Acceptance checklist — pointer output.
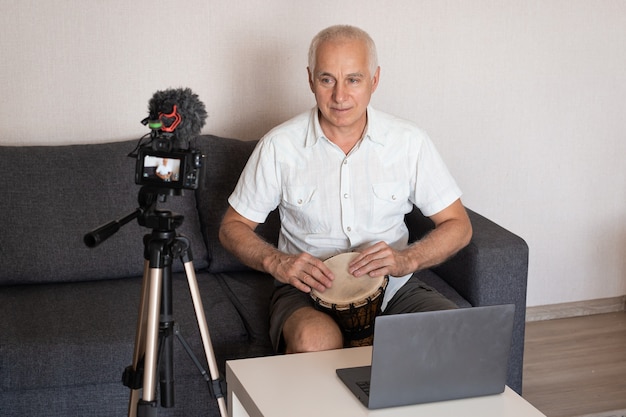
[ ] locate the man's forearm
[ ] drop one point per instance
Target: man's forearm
(452, 232)
(440, 244)
(303, 271)
(254, 253)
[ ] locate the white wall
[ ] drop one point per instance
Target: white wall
(525, 99)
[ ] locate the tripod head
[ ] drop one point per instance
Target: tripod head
(147, 215)
(150, 217)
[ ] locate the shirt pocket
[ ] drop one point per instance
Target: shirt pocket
(390, 202)
(302, 211)
(299, 197)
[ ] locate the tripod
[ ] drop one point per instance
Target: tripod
(156, 328)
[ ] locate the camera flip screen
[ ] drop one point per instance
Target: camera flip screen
(160, 169)
(175, 169)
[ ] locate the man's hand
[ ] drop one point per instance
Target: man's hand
(305, 272)
(381, 259)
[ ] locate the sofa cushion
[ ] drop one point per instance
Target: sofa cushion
(225, 161)
(250, 292)
(53, 195)
(56, 335)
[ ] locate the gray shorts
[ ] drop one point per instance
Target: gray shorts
(412, 297)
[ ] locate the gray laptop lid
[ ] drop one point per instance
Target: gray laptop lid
(440, 355)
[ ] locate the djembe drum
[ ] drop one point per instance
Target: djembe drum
(353, 302)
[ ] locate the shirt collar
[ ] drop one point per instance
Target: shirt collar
(372, 132)
(314, 132)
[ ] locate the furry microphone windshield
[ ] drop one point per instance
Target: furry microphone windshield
(181, 113)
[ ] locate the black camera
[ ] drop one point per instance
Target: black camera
(159, 166)
(167, 160)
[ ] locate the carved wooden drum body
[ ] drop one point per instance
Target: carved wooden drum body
(353, 302)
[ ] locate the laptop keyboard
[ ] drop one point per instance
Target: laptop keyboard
(365, 386)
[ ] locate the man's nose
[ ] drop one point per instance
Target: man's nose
(340, 93)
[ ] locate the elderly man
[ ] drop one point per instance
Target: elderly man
(343, 176)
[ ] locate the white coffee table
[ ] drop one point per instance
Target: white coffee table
(306, 385)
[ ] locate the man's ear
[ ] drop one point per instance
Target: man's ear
(375, 79)
(310, 77)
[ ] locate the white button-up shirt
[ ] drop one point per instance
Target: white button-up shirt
(330, 202)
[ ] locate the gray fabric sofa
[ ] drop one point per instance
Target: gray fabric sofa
(68, 313)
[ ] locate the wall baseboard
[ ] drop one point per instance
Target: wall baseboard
(615, 413)
(575, 309)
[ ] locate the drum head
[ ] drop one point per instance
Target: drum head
(347, 288)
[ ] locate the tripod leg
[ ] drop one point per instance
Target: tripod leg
(140, 345)
(204, 334)
(152, 336)
(146, 343)
(142, 374)
(166, 340)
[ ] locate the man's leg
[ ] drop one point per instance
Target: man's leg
(310, 330)
(296, 326)
(415, 296)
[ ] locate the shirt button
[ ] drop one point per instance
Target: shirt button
(345, 195)
(300, 201)
(393, 197)
(345, 162)
(349, 229)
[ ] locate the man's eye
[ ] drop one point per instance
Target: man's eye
(327, 80)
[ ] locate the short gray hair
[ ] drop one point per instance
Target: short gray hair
(344, 32)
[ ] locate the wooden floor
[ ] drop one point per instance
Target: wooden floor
(577, 366)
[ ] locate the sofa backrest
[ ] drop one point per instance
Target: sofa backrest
(224, 163)
(50, 196)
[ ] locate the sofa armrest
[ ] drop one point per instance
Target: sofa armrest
(492, 269)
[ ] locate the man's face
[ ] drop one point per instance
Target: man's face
(342, 84)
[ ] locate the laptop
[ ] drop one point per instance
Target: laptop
(435, 356)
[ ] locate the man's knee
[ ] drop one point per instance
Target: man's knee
(415, 296)
(309, 330)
